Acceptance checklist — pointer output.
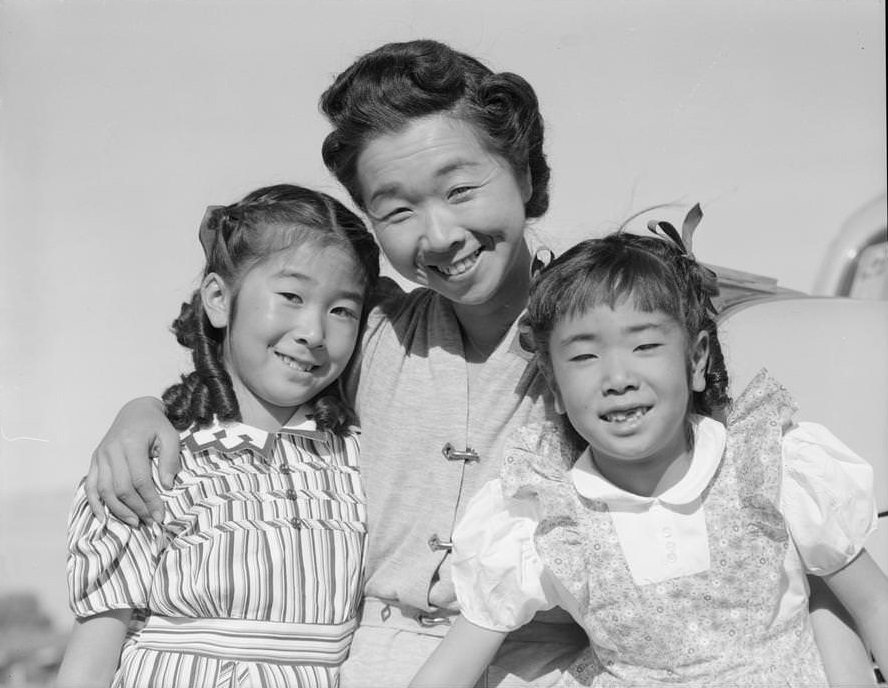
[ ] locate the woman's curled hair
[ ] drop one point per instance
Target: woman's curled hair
(386, 89)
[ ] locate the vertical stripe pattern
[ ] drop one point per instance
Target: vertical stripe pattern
(258, 528)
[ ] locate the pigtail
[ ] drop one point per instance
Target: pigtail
(207, 391)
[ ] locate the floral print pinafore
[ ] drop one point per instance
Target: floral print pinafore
(714, 628)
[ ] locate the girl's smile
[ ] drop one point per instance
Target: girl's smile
(623, 377)
(292, 327)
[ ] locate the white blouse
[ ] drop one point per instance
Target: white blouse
(826, 499)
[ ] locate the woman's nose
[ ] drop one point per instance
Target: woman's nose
(440, 230)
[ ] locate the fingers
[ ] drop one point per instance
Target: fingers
(104, 476)
(166, 449)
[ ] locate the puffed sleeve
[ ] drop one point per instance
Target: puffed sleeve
(827, 498)
(110, 564)
(499, 578)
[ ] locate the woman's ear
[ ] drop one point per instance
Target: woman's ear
(525, 183)
(216, 298)
(699, 362)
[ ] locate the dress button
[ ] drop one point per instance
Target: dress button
(296, 522)
(671, 558)
(286, 469)
(667, 533)
(291, 494)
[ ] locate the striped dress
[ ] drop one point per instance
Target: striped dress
(255, 576)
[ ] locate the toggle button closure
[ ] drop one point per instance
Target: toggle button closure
(452, 454)
(436, 544)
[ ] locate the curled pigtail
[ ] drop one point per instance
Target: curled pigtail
(207, 391)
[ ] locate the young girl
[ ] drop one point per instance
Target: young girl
(678, 542)
(255, 574)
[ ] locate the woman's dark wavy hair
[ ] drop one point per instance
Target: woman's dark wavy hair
(236, 238)
(389, 87)
(654, 274)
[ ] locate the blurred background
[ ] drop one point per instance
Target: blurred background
(120, 122)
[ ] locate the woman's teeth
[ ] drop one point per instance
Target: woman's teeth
(459, 267)
(296, 365)
(625, 416)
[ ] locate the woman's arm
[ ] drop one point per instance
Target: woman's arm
(120, 474)
(862, 587)
(93, 651)
(460, 658)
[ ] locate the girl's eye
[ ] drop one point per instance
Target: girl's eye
(650, 346)
(582, 357)
(345, 312)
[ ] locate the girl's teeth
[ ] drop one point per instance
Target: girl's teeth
(624, 416)
(459, 267)
(293, 363)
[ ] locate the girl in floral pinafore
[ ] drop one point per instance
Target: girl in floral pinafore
(680, 543)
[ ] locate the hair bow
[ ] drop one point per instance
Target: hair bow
(685, 240)
(207, 231)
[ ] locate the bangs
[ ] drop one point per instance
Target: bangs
(630, 276)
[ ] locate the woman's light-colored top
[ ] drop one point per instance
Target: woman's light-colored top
(825, 499)
(414, 397)
(263, 536)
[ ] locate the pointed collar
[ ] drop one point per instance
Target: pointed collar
(710, 437)
(231, 437)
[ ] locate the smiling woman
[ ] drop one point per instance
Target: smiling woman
(448, 213)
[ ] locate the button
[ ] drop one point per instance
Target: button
(667, 533)
(296, 522)
(291, 494)
(436, 544)
(671, 558)
(451, 453)
(286, 469)
(429, 620)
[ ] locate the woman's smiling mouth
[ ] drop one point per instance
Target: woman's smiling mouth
(460, 266)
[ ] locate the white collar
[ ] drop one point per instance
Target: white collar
(710, 438)
(234, 436)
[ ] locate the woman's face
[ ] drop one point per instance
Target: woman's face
(447, 212)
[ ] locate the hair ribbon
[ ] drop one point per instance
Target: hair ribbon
(208, 229)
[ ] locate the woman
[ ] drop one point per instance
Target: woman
(446, 159)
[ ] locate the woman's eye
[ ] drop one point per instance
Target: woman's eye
(459, 191)
(291, 297)
(396, 215)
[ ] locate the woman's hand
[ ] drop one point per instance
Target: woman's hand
(120, 471)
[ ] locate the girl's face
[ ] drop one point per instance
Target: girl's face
(448, 213)
(623, 377)
(292, 331)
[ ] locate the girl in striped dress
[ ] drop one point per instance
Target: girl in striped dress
(255, 575)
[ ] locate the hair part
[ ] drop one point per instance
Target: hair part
(237, 238)
(651, 273)
(386, 89)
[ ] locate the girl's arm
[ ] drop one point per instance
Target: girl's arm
(862, 587)
(460, 658)
(120, 473)
(93, 651)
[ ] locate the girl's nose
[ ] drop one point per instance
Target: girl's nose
(618, 376)
(309, 330)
